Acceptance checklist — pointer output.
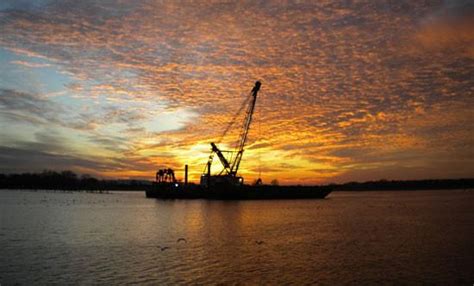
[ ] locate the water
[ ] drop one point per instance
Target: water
(348, 238)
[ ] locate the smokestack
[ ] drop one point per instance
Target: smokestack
(186, 174)
(208, 174)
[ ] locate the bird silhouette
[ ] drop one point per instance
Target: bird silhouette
(259, 242)
(163, 248)
(182, 239)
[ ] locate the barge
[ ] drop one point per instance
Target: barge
(227, 185)
(245, 192)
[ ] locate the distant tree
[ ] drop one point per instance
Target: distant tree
(274, 182)
(69, 174)
(257, 182)
(85, 176)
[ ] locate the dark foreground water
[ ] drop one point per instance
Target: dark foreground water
(349, 238)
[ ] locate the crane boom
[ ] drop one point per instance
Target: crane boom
(245, 130)
(224, 161)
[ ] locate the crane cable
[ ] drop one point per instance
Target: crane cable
(234, 118)
(259, 152)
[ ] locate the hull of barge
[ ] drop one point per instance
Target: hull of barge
(245, 192)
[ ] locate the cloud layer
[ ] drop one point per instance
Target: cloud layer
(352, 90)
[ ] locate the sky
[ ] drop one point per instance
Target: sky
(351, 90)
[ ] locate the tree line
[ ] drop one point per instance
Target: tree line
(407, 185)
(68, 180)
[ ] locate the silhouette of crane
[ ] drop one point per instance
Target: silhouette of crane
(228, 175)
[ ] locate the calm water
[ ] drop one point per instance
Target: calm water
(348, 238)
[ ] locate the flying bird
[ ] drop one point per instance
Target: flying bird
(182, 239)
(163, 248)
(259, 242)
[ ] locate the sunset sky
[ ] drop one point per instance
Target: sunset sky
(351, 90)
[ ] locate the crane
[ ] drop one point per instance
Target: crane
(228, 175)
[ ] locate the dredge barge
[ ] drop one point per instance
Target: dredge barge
(227, 185)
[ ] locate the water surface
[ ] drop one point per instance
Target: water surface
(352, 238)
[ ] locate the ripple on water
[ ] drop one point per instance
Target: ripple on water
(350, 238)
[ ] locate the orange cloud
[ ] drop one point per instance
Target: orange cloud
(344, 93)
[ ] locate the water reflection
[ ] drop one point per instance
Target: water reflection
(349, 238)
